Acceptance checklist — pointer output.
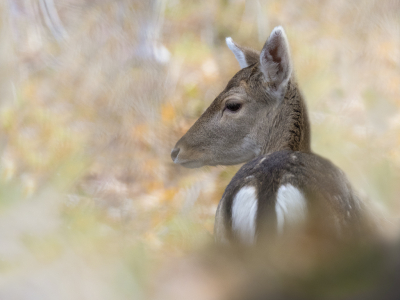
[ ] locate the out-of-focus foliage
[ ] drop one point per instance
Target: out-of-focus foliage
(94, 94)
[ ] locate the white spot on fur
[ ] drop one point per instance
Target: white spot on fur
(249, 177)
(290, 207)
(262, 160)
(238, 53)
(244, 211)
(249, 148)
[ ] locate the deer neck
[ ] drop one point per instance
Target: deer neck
(288, 126)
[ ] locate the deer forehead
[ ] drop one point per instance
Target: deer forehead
(235, 91)
(244, 92)
(246, 75)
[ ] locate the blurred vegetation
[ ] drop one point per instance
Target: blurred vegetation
(94, 94)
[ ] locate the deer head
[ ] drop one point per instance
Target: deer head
(259, 111)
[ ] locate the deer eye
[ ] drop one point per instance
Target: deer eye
(233, 106)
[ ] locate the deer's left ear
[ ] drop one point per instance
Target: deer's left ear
(245, 56)
(275, 60)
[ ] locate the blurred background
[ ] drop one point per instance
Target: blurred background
(94, 95)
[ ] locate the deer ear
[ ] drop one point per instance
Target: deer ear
(244, 55)
(275, 59)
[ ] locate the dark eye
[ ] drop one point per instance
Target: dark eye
(232, 106)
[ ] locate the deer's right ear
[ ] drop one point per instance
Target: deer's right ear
(275, 60)
(244, 56)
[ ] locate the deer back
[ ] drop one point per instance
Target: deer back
(287, 191)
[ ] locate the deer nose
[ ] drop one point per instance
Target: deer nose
(174, 153)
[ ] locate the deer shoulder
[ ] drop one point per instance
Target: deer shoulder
(261, 119)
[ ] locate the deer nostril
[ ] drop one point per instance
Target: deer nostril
(175, 153)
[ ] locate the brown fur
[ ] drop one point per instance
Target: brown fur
(276, 125)
(271, 130)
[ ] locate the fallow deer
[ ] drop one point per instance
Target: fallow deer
(260, 119)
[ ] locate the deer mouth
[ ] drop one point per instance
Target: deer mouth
(191, 164)
(177, 156)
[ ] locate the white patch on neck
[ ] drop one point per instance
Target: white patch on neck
(249, 148)
(290, 207)
(244, 212)
(238, 53)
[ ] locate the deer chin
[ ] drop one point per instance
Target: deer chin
(193, 164)
(189, 163)
(197, 163)
(191, 157)
(205, 160)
